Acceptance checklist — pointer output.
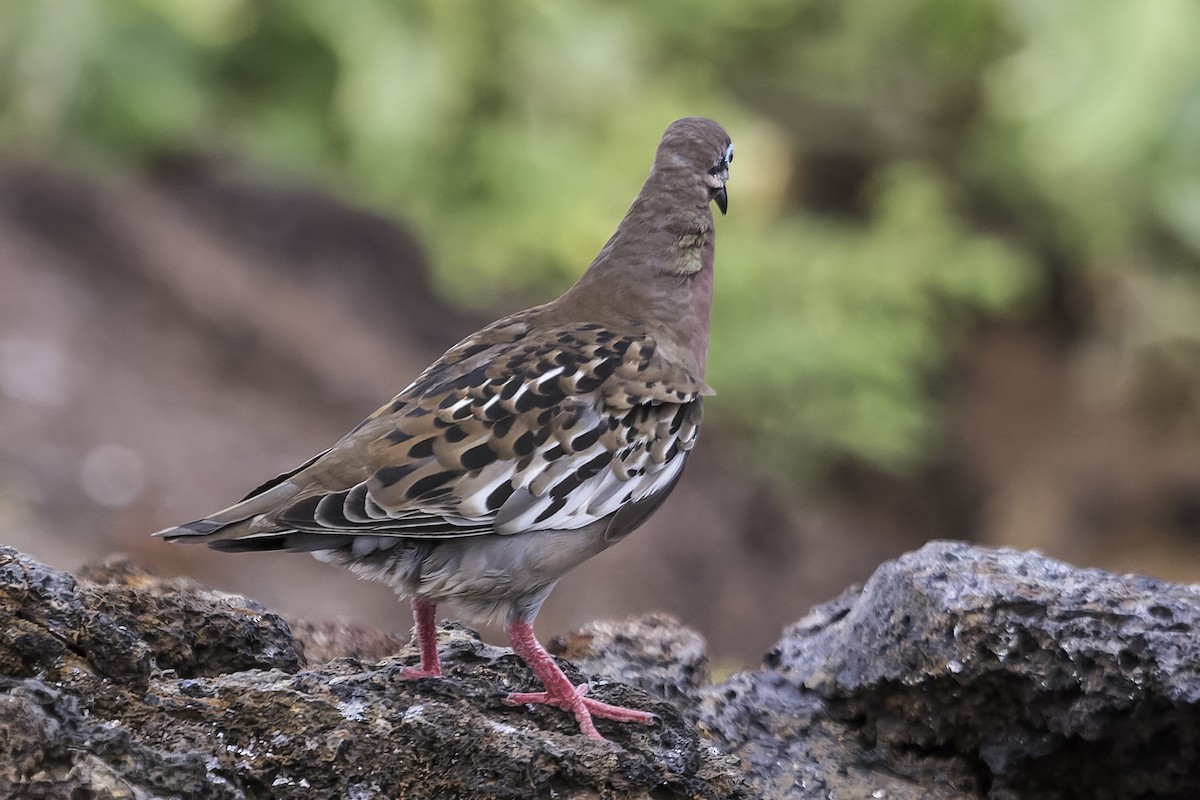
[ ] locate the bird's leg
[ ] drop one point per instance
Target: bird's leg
(559, 690)
(425, 629)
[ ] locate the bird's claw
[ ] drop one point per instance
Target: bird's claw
(572, 702)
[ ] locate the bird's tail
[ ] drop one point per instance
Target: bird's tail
(247, 518)
(250, 526)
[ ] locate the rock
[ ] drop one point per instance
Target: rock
(963, 672)
(654, 652)
(326, 640)
(189, 630)
(954, 672)
(122, 685)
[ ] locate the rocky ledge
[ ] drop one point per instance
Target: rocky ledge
(954, 672)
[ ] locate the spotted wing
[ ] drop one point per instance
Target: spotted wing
(546, 431)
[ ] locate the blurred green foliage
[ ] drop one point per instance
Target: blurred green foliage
(902, 167)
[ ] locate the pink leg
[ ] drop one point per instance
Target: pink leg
(559, 691)
(425, 628)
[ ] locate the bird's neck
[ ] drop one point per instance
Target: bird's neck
(655, 273)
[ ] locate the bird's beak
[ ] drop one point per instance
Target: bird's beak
(722, 198)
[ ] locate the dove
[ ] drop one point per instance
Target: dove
(531, 445)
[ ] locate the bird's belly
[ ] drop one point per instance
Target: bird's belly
(486, 578)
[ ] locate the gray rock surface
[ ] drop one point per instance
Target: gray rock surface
(954, 672)
(964, 672)
(120, 685)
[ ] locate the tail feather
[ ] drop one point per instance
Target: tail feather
(192, 530)
(251, 517)
(294, 541)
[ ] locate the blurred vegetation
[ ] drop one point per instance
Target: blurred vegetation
(903, 168)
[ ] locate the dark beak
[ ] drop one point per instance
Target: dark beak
(722, 198)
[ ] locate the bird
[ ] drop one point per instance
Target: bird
(531, 445)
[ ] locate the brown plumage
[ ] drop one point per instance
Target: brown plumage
(532, 444)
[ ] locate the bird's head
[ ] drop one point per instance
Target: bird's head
(656, 271)
(696, 152)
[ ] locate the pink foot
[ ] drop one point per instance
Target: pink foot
(413, 673)
(425, 629)
(559, 691)
(572, 701)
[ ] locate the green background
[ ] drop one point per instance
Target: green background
(904, 169)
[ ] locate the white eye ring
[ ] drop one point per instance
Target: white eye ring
(729, 153)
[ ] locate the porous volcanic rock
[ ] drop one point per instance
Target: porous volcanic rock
(121, 685)
(965, 672)
(955, 672)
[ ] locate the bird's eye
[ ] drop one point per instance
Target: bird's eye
(724, 163)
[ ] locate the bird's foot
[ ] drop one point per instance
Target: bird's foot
(414, 673)
(425, 631)
(584, 708)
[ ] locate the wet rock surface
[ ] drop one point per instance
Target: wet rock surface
(954, 672)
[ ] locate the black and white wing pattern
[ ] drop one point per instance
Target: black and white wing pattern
(511, 431)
